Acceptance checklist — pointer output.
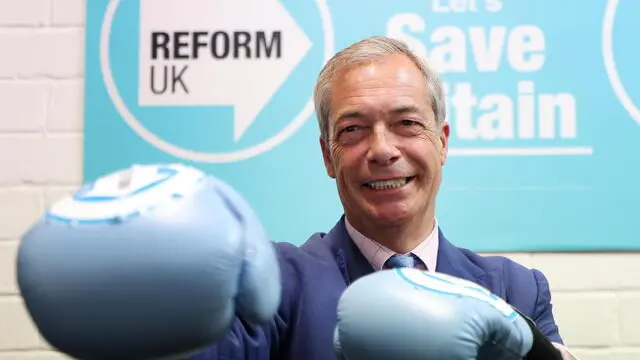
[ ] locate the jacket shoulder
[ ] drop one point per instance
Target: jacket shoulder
(299, 263)
(312, 252)
(526, 289)
(519, 285)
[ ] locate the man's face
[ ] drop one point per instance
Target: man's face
(385, 150)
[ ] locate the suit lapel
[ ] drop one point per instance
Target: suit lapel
(357, 264)
(350, 260)
(452, 261)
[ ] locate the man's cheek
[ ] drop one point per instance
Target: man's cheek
(336, 152)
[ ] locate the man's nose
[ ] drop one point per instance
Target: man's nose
(382, 148)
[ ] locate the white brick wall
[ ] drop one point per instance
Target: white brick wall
(40, 140)
(596, 296)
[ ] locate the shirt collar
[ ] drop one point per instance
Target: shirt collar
(378, 254)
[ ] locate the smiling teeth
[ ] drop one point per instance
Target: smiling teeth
(387, 184)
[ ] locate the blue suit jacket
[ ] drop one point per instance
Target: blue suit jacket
(315, 274)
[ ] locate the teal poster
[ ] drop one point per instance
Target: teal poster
(543, 98)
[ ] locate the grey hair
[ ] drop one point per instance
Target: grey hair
(367, 50)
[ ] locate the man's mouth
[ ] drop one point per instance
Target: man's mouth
(389, 184)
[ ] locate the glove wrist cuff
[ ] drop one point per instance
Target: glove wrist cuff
(542, 348)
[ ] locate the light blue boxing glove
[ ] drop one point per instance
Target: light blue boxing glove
(149, 262)
(409, 314)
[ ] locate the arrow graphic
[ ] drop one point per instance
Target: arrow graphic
(217, 53)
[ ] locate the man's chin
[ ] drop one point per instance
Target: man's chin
(391, 216)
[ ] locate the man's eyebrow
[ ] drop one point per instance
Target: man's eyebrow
(405, 109)
(349, 114)
(398, 110)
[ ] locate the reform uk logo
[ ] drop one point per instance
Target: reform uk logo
(201, 54)
(611, 53)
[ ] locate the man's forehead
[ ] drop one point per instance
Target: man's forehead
(380, 97)
(390, 85)
(394, 66)
(382, 107)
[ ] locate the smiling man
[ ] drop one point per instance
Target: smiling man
(385, 146)
(384, 139)
(227, 292)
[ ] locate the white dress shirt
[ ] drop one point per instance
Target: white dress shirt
(377, 254)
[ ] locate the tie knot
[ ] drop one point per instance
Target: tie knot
(400, 261)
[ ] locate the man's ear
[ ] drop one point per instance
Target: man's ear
(444, 142)
(328, 161)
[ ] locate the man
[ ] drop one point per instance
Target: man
(384, 139)
(161, 260)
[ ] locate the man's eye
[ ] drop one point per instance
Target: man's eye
(408, 122)
(350, 128)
